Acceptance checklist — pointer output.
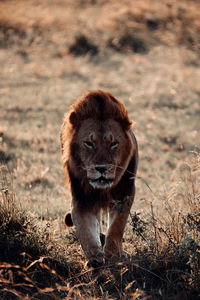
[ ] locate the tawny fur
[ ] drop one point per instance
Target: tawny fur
(100, 156)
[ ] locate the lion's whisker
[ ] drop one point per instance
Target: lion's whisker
(134, 176)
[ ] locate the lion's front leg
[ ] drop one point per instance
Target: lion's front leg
(116, 225)
(88, 231)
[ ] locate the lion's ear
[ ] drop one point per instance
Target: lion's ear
(126, 124)
(73, 118)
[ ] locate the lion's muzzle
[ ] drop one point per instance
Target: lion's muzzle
(101, 176)
(101, 183)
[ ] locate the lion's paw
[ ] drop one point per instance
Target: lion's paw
(93, 263)
(96, 262)
(116, 257)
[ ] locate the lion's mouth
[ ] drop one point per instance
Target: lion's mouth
(101, 183)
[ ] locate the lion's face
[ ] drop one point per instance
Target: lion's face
(102, 152)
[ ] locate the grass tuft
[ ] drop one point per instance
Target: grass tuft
(129, 41)
(164, 263)
(82, 46)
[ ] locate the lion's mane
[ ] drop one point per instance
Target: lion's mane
(101, 106)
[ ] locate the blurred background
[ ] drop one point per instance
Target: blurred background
(146, 53)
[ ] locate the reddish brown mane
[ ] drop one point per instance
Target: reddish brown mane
(101, 106)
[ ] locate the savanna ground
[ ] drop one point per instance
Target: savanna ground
(147, 54)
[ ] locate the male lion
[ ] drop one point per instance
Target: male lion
(100, 155)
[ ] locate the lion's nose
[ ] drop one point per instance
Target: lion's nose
(101, 169)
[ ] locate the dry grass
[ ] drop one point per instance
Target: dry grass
(147, 54)
(164, 262)
(137, 26)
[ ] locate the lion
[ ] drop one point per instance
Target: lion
(100, 158)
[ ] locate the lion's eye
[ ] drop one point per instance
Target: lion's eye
(113, 145)
(89, 144)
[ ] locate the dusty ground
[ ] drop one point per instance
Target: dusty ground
(160, 90)
(40, 77)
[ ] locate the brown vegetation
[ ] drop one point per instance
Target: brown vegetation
(146, 53)
(89, 26)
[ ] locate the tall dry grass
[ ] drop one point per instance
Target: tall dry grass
(165, 250)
